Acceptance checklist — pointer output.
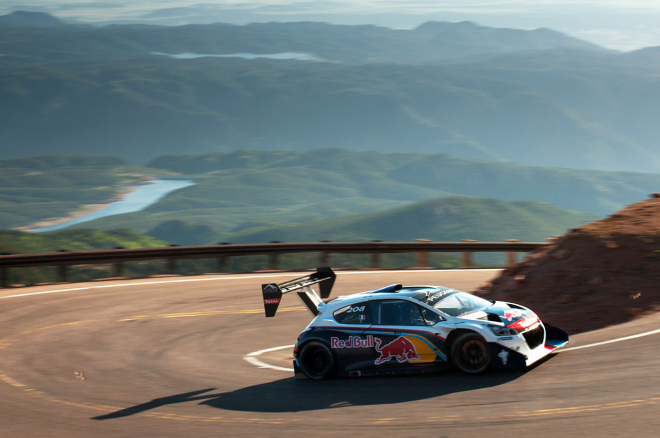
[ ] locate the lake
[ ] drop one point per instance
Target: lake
(278, 56)
(142, 197)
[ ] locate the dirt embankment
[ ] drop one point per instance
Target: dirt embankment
(603, 273)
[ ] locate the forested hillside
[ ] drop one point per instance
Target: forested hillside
(236, 191)
(446, 220)
(51, 186)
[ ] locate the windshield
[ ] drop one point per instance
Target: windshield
(459, 303)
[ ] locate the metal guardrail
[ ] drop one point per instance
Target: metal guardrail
(223, 252)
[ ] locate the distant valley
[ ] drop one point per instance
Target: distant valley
(246, 195)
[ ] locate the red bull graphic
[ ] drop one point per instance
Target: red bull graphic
(400, 349)
(525, 323)
(353, 342)
(513, 313)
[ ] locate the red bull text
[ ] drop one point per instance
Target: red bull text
(353, 342)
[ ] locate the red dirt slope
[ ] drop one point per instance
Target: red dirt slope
(603, 273)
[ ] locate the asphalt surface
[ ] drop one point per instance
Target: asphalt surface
(166, 357)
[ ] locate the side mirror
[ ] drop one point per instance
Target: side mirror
(431, 318)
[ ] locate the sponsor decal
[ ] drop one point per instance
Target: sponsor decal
(270, 288)
(553, 345)
(272, 301)
(353, 342)
(356, 309)
(513, 313)
(504, 355)
(437, 295)
(525, 323)
(400, 349)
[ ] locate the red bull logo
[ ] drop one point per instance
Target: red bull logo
(525, 323)
(513, 313)
(400, 349)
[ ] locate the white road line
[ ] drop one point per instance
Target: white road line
(417, 271)
(252, 358)
(626, 338)
(145, 283)
(187, 280)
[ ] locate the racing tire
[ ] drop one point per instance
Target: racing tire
(470, 354)
(317, 360)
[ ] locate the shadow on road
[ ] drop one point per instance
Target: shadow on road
(156, 403)
(295, 395)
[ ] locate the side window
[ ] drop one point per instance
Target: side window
(396, 312)
(353, 314)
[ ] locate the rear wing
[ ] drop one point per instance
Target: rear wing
(273, 292)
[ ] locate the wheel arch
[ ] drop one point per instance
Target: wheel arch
(452, 337)
(328, 372)
(312, 337)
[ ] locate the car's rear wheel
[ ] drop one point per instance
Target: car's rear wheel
(317, 360)
(469, 353)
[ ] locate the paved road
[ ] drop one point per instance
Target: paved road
(165, 357)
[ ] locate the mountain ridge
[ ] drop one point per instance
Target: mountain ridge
(83, 89)
(31, 19)
(355, 44)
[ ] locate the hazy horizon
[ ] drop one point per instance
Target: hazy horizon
(612, 24)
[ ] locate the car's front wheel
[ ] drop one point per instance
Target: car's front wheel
(469, 353)
(316, 360)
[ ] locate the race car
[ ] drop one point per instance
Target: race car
(409, 329)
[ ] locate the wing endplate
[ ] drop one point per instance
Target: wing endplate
(273, 292)
(272, 297)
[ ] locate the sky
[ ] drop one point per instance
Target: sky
(620, 25)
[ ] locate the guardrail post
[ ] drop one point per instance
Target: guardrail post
(375, 257)
(422, 256)
(4, 278)
(375, 260)
(171, 263)
(118, 269)
(274, 262)
(466, 259)
(222, 264)
(61, 273)
(223, 261)
(511, 255)
(422, 259)
(171, 266)
(274, 259)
